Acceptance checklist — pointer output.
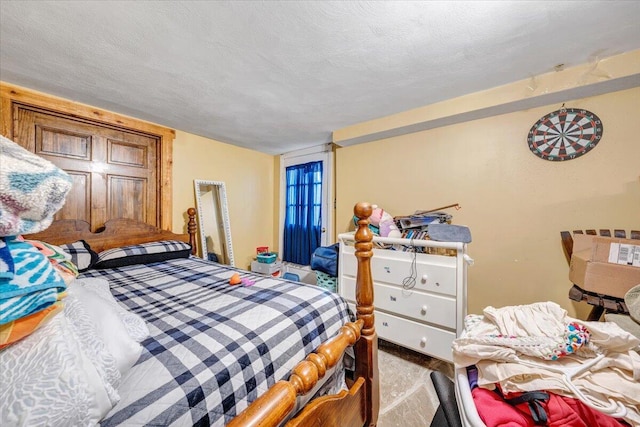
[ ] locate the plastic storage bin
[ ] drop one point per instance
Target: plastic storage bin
(266, 258)
(327, 281)
(274, 269)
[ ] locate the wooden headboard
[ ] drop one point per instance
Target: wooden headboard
(121, 167)
(115, 233)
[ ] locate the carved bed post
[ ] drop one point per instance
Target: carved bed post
(192, 229)
(367, 346)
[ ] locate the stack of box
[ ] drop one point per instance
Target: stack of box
(605, 265)
(266, 262)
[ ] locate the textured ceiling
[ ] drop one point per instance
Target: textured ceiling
(276, 76)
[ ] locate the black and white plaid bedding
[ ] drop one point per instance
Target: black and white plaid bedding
(214, 347)
(143, 253)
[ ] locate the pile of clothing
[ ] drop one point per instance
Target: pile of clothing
(534, 365)
(33, 275)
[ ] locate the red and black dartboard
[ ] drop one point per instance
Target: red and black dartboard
(565, 134)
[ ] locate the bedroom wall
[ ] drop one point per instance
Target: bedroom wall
(514, 202)
(249, 179)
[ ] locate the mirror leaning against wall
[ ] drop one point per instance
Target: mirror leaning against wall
(213, 221)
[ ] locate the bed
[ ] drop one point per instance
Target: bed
(233, 355)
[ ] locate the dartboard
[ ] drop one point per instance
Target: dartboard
(565, 134)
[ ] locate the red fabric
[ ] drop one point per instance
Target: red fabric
(584, 415)
(561, 412)
(495, 412)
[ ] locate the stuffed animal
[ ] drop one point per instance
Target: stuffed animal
(247, 282)
(235, 279)
(384, 221)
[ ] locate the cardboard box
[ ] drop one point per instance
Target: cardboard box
(605, 265)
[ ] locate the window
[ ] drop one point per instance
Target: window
(323, 179)
(303, 212)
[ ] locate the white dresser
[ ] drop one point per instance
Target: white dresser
(420, 299)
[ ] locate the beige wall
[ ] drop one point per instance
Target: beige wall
(249, 179)
(514, 203)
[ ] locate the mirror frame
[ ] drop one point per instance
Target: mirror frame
(222, 191)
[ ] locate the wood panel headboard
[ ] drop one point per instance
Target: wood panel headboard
(120, 166)
(115, 233)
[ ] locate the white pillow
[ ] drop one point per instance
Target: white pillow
(109, 327)
(92, 345)
(135, 325)
(47, 379)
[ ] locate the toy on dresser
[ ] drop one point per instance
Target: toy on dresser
(385, 223)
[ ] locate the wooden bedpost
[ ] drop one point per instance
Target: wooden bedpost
(192, 229)
(359, 405)
(366, 348)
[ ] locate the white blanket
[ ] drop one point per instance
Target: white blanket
(61, 375)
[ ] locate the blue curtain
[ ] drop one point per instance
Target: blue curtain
(303, 220)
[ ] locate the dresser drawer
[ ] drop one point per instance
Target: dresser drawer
(434, 273)
(436, 309)
(416, 336)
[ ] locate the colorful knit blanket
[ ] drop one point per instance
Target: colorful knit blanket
(28, 283)
(32, 190)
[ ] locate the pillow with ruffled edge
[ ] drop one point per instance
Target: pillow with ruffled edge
(81, 254)
(109, 327)
(143, 253)
(135, 325)
(59, 375)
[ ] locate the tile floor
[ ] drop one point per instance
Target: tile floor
(407, 397)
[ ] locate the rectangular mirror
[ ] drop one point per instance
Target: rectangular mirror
(213, 221)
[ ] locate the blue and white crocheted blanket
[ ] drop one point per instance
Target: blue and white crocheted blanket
(32, 190)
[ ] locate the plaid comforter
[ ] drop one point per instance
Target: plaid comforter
(214, 347)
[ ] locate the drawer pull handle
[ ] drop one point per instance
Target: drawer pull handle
(424, 309)
(423, 342)
(425, 277)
